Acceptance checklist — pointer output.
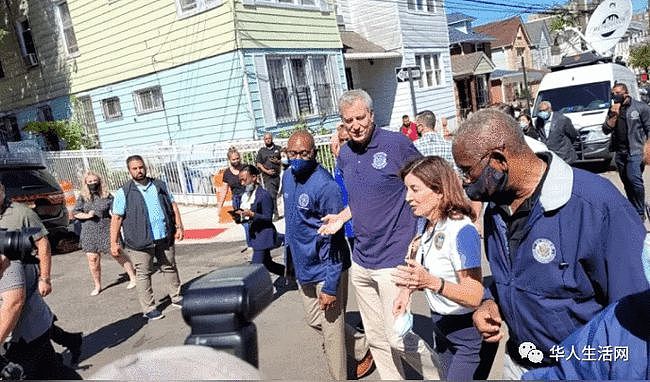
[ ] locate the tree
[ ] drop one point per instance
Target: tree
(640, 57)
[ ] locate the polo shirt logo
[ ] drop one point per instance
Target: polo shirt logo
(303, 200)
(379, 160)
(544, 250)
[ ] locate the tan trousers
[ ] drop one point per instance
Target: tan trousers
(337, 335)
(375, 294)
(143, 264)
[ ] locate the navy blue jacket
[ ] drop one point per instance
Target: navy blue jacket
(580, 252)
(262, 231)
(622, 325)
(316, 258)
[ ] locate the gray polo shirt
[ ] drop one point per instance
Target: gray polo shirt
(18, 215)
(36, 317)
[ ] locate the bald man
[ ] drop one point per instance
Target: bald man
(321, 262)
(562, 243)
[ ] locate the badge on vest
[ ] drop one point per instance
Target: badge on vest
(544, 250)
(379, 160)
(303, 200)
(634, 114)
(439, 240)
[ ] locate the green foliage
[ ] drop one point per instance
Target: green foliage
(558, 23)
(302, 125)
(70, 132)
(640, 56)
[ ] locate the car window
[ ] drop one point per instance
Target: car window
(577, 98)
(27, 181)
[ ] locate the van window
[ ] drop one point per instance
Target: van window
(577, 98)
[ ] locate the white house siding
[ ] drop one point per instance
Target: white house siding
(423, 29)
(499, 59)
(375, 20)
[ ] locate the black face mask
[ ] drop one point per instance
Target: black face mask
(94, 187)
(618, 98)
(489, 187)
(269, 145)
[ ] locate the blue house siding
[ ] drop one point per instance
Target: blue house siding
(257, 98)
(204, 102)
(61, 109)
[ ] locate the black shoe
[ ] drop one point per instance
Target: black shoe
(75, 348)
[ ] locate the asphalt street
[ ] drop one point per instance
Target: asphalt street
(113, 326)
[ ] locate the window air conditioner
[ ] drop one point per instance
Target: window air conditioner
(31, 60)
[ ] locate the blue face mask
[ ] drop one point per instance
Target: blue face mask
(489, 185)
(403, 324)
(285, 161)
(302, 167)
(543, 115)
(250, 187)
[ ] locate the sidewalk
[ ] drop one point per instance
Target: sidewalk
(201, 226)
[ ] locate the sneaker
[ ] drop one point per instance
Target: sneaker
(95, 292)
(153, 315)
(131, 285)
(177, 304)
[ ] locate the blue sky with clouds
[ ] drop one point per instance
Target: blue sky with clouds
(486, 13)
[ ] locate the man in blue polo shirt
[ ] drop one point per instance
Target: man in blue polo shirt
(562, 243)
(150, 222)
(321, 262)
(384, 226)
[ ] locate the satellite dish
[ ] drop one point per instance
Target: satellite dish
(608, 24)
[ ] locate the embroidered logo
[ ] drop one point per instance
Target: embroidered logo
(544, 250)
(439, 240)
(634, 114)
(379, 160)
(303, 200)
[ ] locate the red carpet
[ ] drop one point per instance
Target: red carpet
(206, 233)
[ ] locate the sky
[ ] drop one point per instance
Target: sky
(485, 13)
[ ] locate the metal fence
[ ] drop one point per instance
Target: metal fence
(188, 170)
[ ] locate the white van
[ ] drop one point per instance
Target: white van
(583, 94)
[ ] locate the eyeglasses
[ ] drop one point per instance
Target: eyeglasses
(466, 172)
(305, 154)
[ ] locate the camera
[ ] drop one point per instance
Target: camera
(18, 244)
(220, 306)
(10, 371)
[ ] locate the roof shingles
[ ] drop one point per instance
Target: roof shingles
(504, 31)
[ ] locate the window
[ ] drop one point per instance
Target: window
(65, 21)
(9, 128)
(191, 7)
(422, 5)
(2, 72)
(148, 100)
(296, 3)
(85, 114)
(26, 42)
(301, 86)
(111, 108)
(431, 72)
(45, 113)
(520, 52)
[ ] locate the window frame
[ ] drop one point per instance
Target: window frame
(422, 6)
(201, 6)
(433, 77)
(87, 116)
(137, 100)
(2, 71)
(20, 32)
(105, 102)
(314, 93)
(62, 28)
(321, 5)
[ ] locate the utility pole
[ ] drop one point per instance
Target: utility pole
(413, 101)
(523, 68)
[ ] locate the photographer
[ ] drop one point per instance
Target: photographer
(23, 313)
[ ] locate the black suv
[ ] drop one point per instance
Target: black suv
(33, 185)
